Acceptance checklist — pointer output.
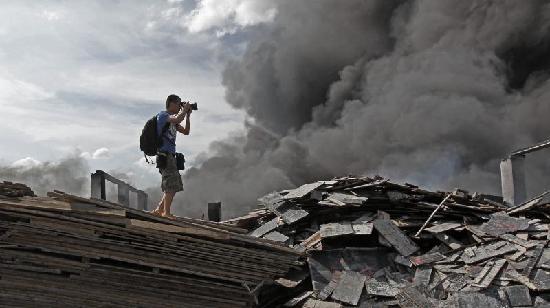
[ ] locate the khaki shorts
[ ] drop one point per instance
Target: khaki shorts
(171, 179)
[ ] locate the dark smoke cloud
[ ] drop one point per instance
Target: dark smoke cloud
(70, 174)
(287, 72)
(431, 91)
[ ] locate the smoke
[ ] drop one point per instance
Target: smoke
(433, 92)
(70, 174)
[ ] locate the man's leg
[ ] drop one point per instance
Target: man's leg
(168, 198)
(160, 207)
(171, 183)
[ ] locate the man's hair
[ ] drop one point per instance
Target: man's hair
(172, 98)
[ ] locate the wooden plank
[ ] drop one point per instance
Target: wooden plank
(329, 288)
(380, 288)
(293, 214)
(518, 296)
(423, 275)
(448, 240)
(153, 261)
(412, 297)
(342, 199)
(177, 229)
(148, 216)
(276, 237)
(298, 299)
(501, 223)
(402, 243)
(266, 228)
(473, 300)
(293, 278)
(533, 261)
(527, 204)
(362, 228)
(541, 281)
(116, 284)
(349, 288)
(309, 242)
(94, 209)
(32, 203)
(442, 227)
(488, 273)
(302, 191)
(427, 258)
(516, 240)
(288, 212)
(335, 229)
(489, 251)
(313, 303)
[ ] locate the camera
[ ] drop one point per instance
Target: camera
(193, 105)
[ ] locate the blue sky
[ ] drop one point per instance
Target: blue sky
(82, 77)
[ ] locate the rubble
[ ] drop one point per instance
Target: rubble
(9, 189)
(373, 243)
(67, 251)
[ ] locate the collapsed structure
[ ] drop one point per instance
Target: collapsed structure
(346, 242)
(373, 243)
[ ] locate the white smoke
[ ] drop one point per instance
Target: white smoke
(70, 174)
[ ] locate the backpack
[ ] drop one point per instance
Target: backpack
(150, 141)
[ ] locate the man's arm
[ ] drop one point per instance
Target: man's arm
(187, 129)
(177, 119)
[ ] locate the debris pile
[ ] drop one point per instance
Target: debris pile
(67, 251)
(9, 189)
(373, 243)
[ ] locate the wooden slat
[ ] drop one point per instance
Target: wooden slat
(100, 254)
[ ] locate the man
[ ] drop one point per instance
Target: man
(175, 113)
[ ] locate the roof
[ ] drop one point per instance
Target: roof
(64, 250)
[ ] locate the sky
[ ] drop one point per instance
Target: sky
(80, 78)
(422, 91)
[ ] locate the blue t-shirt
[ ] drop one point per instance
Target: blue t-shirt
(169, 137)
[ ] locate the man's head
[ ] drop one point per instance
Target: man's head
(173, 103)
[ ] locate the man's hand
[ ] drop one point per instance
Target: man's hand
(182, 113)
(187, 129)
(186, 107)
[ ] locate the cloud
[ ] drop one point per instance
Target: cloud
(227, 16)
(101, 153)
(146, 166)
(70, 174)
(52, 15)
(13, 90)
(99, 73)
(26, 163)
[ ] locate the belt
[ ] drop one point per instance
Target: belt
(166, 153)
